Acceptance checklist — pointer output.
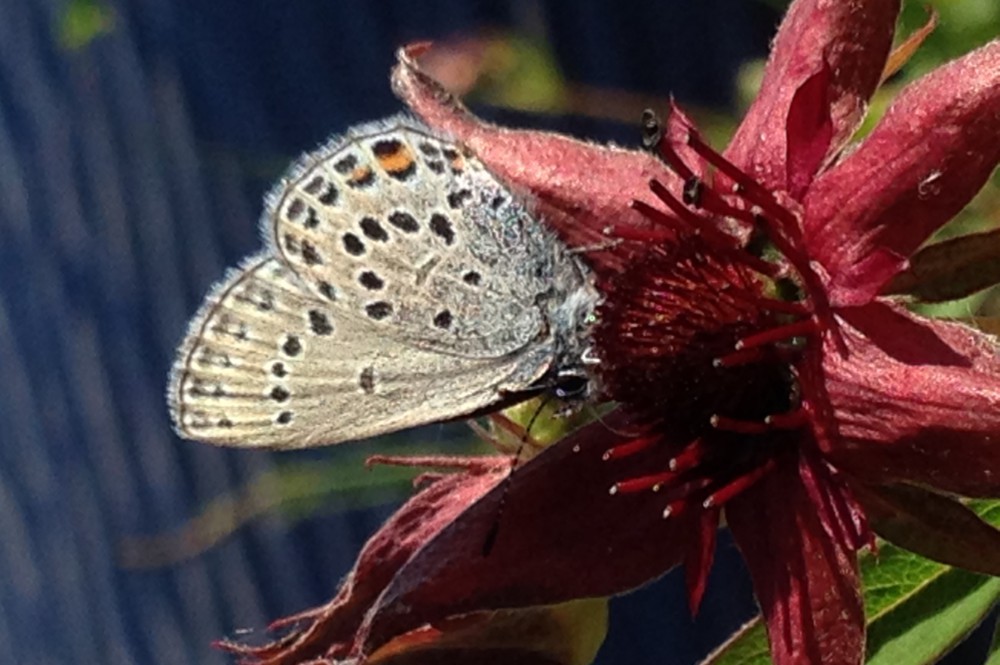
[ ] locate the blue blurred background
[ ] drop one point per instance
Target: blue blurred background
(136, 140)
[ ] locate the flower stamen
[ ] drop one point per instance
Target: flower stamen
(656, 140)
(643, 483)
(776, 421)
(674, 509)
(768, 214)
(805, 328)
(698, 224)
(738, 486)
(789, 420)
(749, 188)
(718, 240)
(728, 424)
(690, 457)
(631, 448)
(737, 358)
(710, 200)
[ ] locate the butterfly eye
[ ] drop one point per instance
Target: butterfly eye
(571, 384)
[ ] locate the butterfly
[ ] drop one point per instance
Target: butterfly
(402, 284)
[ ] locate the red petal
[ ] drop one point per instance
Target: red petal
(806, 583)
(931, 153)
(580, 188)
(561, 536)
(916, 401)
(809, 131)
(700, 554)
(852, 41)
(331, 628)
(841, 516)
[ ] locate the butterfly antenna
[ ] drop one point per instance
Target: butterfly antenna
(599, 417)
(491, 536)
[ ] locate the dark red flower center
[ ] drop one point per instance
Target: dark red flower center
(708, 337)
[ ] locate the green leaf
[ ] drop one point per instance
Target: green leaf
(994, 658)
(934, 620)
(83, 21)
(917, 609)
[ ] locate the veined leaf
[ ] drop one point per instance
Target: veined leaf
(917, 609)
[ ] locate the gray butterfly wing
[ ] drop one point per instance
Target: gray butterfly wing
(266, 363)
(412, 233)
(404, 285)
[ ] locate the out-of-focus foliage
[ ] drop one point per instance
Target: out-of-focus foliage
(83, 21)
(297, 490)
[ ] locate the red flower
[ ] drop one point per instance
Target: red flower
(366, 622)
(759, 370)
(758, 367)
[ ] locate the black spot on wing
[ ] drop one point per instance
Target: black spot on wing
(371, 281)
(292, 346)
(373, 229)
(404, 221)
(310, 254)
(459, 197)
(312, 221)
(443, 319)
(442, 228)
(367, 380)
(314, 185)
(346, 164)
(294, 209)
(319, 323)
(353, 244)
(330, 196)
(327, 290)
(378, 310)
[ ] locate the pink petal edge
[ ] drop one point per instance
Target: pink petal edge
(916, 401)
(930, 154)
(851, 39)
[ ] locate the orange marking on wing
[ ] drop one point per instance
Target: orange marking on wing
(360, 174)
(398, 161)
